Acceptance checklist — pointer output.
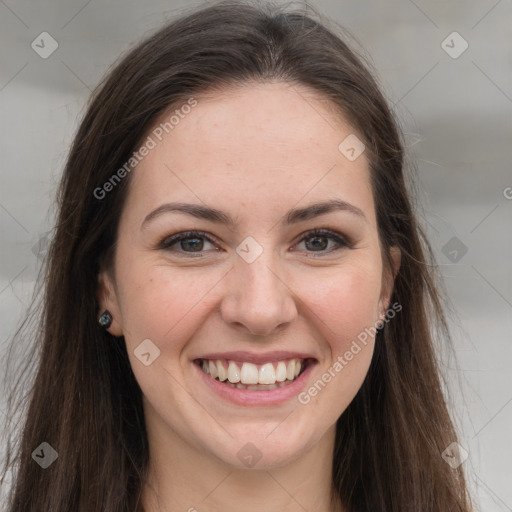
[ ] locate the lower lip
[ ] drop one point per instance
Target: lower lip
(245, 397)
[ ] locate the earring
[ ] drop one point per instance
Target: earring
(105, 319)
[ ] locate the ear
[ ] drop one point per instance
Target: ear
(388, 280)
(107, 299)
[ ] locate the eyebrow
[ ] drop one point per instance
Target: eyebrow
(218, 216)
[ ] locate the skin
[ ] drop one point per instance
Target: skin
(255, 152)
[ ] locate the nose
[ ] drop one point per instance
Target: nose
(259, 298)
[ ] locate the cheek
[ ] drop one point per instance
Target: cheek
(163, 305)
(346, 301)
(167, 308)
(346, 308)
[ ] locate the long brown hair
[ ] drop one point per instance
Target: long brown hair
(85, 401)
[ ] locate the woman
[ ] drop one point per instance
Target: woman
(289, 363)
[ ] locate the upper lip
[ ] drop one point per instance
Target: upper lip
(256, 358)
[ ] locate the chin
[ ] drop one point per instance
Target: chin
(252, 448)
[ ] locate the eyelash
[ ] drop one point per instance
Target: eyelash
(167, 242)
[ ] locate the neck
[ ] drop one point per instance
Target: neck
(183, 478)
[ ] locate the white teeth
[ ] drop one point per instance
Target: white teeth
(249, 374)
(222, 374)
(290, 370)
(267, 374)
(213, 369)
(233, 373)
(281, 371)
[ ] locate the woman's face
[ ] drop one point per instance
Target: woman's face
(248, 299)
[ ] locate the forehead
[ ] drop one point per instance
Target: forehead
(266, 144)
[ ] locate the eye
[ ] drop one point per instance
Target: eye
(189, 242)
(192, 242)
(319, 241)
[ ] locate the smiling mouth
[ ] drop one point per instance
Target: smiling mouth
(254, 377)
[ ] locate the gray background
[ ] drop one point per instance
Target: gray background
(457, 116)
